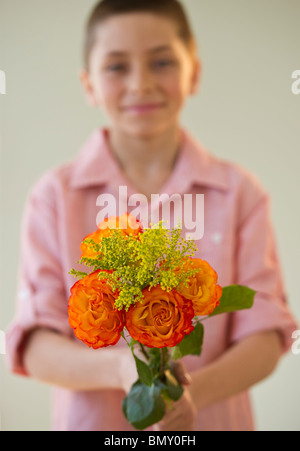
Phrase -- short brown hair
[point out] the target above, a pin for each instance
(167, 8)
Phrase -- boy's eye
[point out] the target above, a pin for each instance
(163, 63)
(159, 64)
(116, 67)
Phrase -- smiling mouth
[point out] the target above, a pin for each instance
(142, 109)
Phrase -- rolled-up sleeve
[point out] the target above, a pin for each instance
(258, 267)
(41, 296)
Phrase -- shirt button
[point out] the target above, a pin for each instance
(217, 238)
(24, 294)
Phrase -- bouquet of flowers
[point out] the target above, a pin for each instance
(146, 286)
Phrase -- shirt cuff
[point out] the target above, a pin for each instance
(38, 310)
(265, 315)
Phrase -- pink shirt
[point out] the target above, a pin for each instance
(238, 242)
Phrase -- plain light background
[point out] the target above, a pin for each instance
(245, 112)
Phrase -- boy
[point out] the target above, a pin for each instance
(140, 67)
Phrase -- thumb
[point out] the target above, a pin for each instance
(181, 373)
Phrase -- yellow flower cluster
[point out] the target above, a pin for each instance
(138, 260)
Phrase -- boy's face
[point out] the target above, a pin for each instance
(139, 60)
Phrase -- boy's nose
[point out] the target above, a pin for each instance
(140, 80)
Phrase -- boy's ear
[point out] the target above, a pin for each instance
(87, 87)
(196, 76)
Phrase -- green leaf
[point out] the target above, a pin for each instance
(131, 344)
(234, 297)
(143, 406)
(144, 371)
(191, 344)
(176, 353)
(154, 359)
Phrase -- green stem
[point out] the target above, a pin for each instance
(163, 355)
(145, 354)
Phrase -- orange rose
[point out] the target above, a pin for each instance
(92, 314)
(126, 223)
(202, 289)
(161, 319)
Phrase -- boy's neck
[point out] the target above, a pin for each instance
(147, 162)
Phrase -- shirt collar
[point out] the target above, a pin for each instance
(95, 165)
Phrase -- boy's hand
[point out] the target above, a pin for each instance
(181, 373)
(180, 417)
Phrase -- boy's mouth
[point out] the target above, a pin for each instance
(144, 108)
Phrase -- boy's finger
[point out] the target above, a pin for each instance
(181, 373)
